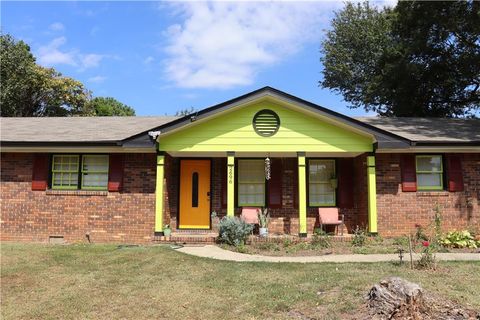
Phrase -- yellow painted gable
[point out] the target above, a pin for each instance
(233, 131)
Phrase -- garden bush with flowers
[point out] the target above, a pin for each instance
(460, 239)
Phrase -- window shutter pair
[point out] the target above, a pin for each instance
(274, 185)
(454, 172)
(41, 166)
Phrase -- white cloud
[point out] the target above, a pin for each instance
(91, 60)
(97, 79)
(52, 54)
(225, 44)
(57, 26)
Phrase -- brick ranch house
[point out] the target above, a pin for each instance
(121, 179)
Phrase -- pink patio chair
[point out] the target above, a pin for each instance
(250, 215)
(329, 216)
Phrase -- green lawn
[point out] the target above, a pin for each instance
(103, 282)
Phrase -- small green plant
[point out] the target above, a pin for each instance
(359, 237)
(263, 218)
(401, 241)
(287, 242)
(242, 249)
(320, 239)
(460, 239)
(268, 246)
(234, 231)
(298, 247)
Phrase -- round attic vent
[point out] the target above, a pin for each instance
(266, 123)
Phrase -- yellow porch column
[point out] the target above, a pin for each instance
(372, 195)
(302, 194)
(230, 183)
(159, 194)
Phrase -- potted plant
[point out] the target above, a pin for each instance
(334, 182)
(167, 231)
(263, 218)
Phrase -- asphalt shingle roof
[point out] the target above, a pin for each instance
(76, 129)
(429, 129)
(103, 129)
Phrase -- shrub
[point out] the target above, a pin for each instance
(459, 239)
(320, 240)
(234, 231)
(427, 259)
(359, 237)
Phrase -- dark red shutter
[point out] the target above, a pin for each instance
(275, 184)
(40, 172)
(345, 183)
(115, 172)
(223, 177)
(454, 172)
(409, 173)
(295, 183)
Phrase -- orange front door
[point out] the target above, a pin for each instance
(194, 194)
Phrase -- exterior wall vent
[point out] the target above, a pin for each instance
(56, 239)
(266, 123)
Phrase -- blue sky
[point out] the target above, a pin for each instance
(162, 57)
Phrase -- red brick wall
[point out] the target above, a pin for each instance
(398, 211)
(28, 215)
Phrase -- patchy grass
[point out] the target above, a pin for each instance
(103, 282)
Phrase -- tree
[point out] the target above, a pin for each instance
(418, 59)
(29, 90)
(185, 112)
(107, 106)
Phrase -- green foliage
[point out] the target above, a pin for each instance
(234, 231)
(268, 246)
(401, 241)
(263, 218)
(420, 233)
(320, 240)
(359, 237)
(420, 59)
(460, 239)
(29, 90)
(107, 106)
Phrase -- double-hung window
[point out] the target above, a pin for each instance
(429, 172)
(95, 172)
(251, 183)
(321, 188)
(65, 172)
(87, 172)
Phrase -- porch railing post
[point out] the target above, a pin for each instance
(372, 195)
(302, 194)
(230, 183)
(159, 194)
